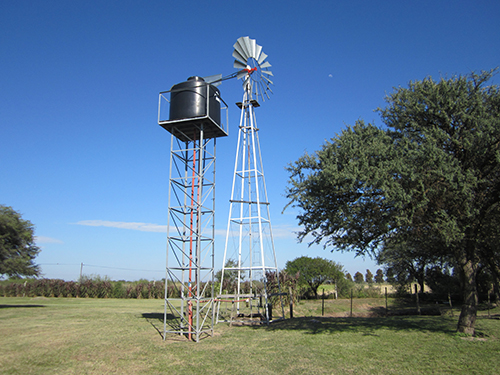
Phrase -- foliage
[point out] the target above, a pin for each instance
(427, 185)
(287, 283)
(389, 276)
(365, 291)
(443, 282)
(379, 276)
(369, 276)
(313, 272)
(88, 287)
(358, 277)
(17, 245)
(228, 282)
(348, 276)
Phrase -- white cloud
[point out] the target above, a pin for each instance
(330, 75)
(43, 240)
(279, 231)
(285, 231)
(143, 227)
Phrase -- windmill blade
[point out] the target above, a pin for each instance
(238, 47)
(258, 50)
(268, 72)
(247, 46)
(239, 65)
(268, 80)
(265, 65)
(238, 56)
(256, 91)
(263, 91)
(253, 48)
(242, 48)
(268, 98)
(262, 57)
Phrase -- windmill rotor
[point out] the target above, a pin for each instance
(252, 66)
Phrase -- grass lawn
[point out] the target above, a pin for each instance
(102, 336)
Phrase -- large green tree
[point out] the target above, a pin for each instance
(17, 245)
(314, 271)
(429, 180)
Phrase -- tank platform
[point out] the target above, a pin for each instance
(190, 129)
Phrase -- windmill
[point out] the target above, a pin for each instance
(249, 254)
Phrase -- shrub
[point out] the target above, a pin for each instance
(118, 290)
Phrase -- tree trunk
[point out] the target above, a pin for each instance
(467, 319)
(495, 271)
(421, 282)
(421, 278)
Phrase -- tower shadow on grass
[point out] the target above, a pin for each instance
(156, 320)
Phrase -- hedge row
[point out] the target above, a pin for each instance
(86, 289)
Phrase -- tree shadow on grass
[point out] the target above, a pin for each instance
(16, 306)
(366, 326)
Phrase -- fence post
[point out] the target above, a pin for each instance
(418, 301)
(386, 308)
(351, 303)
(449, 301)
(291, 301)
(489, 302)
(323, 303)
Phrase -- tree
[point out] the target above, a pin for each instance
(358, 277)
(314, 271)
(389, 276)
(17, 245)
(229, 280)
(369, 276)
(409, 261)
(348, 277)
(379, 276)
(429, 181)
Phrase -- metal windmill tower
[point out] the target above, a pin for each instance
(249, 254)
(195, 123)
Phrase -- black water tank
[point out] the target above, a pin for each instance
(189, 100)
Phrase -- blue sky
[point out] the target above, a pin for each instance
(82, 155)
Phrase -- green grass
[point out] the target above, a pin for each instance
(96, 336)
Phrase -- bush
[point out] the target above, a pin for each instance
(286, 282)
(87, 287)
(118, 290)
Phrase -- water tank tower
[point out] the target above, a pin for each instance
(194, 121)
